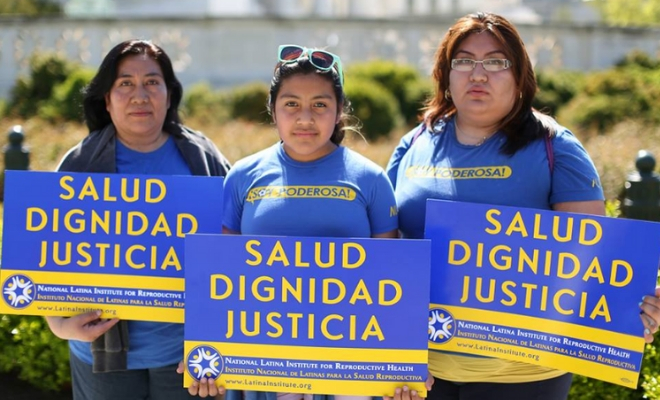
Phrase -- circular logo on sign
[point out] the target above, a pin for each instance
(442, 326)
(204, 362)
(18, 291)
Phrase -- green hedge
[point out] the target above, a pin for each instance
(65, 103)
(33, 352)
(402, 81)
(628, 91)
(374, 106)
(30, 92)
(556, 89)
(204, 104)
(248, 102)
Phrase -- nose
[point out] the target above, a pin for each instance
(305, 117)
(479, 74)
(140, 94)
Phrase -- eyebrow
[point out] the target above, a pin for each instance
(320, 96)
(487, 54)
(128, 75)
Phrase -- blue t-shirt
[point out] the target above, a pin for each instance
(340, 195)
(437, 166)
(151, 344)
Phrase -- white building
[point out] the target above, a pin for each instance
(519, 11)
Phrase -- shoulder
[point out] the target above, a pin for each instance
(565, 141)
(80, 156)
(359, 166)
(190, 142)
(257, 161)
(352, 157)
(198, 139)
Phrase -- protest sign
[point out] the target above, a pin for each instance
(554, 289)
(75, 242)
(307, 315)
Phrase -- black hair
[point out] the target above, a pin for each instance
(304, 67)
(94, 105)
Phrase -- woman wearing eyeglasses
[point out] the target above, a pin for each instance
(310, 111)
(481, 116)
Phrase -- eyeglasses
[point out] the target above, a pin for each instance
(489, 64)
(320, 59)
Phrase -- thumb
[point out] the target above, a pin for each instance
(430, 380)
(179, 368)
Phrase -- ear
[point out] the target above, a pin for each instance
(340, 107)
(107, 102)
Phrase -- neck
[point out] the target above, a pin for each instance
(143, 144)
(471, 134)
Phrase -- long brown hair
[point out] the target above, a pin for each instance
(523, 124)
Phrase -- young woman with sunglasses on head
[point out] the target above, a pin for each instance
(309, 109)
(481, 116)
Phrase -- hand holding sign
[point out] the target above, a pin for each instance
(83, 327)
(650, 315)
(202, 388)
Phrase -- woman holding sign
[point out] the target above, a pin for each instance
(131, 110)
(345, 194)
(481, 141)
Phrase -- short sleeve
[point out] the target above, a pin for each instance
(233, 200)
(574, 177)
(398, 153)
(382, 208)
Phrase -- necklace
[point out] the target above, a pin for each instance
(480, 140)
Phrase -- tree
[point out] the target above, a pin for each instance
(630, 12)
(30, 7)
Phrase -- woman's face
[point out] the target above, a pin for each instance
(305, 114)
(480, 96)
(138, 100)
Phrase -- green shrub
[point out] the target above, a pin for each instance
(598, 113)
(649, 372)
(416, 94)
(613, 96)
(584, 388)
(29, 93)
(204, 104)
(67, 99)
(613, 82)
(394, 77)
(556, 89)
(640, 59)
(248, 102)
(648, 385)
(31, 350)
(374, 106)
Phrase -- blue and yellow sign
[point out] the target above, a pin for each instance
(554, 289)
(307, 315)
(77, 242)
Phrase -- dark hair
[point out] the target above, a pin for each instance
(304, 67)
(523, 124)
(94, 108)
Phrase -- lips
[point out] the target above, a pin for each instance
(140, 113)
(477, 91)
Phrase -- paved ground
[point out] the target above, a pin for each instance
(12, 388)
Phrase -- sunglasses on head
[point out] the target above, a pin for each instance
(320, 59)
